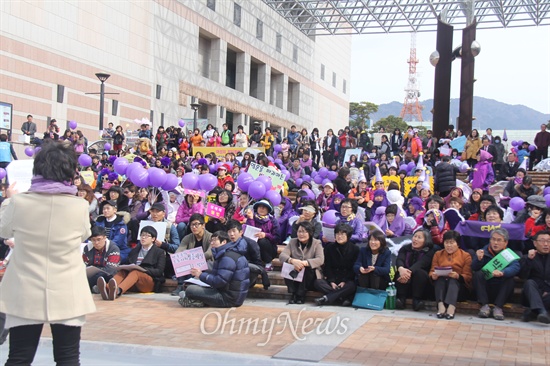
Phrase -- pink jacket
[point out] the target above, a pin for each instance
(185, 212)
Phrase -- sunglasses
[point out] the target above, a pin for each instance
(108, 165)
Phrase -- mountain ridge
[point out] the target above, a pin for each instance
(488, 113)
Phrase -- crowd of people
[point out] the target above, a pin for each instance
(394, 212)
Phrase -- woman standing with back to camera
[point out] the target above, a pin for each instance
(45, 282)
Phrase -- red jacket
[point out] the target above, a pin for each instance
(222, 181)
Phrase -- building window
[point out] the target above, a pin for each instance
(295, 53)
(237, 14)
(259, 29)
(344, 86)
(334, 79)
(211, 4)
(278, 43)
(322, 72)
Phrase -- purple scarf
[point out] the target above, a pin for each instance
(41, 185)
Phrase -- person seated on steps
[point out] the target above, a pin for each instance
(228, 280)
(339, 282)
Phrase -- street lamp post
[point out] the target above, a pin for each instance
(102, 77)
(195, 105)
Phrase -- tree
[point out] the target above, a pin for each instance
(390, 123)
(360, 112)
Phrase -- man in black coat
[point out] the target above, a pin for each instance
(339, 283)
(535, 268)
(510, 168)
(445, 177)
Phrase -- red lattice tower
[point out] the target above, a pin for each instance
(412, 110)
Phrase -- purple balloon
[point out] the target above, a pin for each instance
(37, 150)
(532, 147)
(171, 182)
(330, 217)
(514, 143)
(29, 151)
(256, 190)
(157, 177)
(278, 161)
(411, 166)
(306, 178)
(464, 167)
(274, 197)
(2, 173)
(517, 204)
(190, 181)
(310, 194)
(546, 191)
(314, 174)
(403, 167)
(243, 180)
(73, 125)
(520, 142)
(287, 175)
(318, 179)
(107, 146)
(140, 177)
(547, 198)
(277, 148)
(299, 182)
(323, 172)
(325, 181)
(270, 158)
(181, 123)
(83, 160)
(132, 167)
(266, 181)
(213, 168)
(332, 175)
(121, 165)
(207, 182)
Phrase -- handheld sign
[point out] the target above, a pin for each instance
(499, 262)
(277, 177)
(215, 211)
(184, 261)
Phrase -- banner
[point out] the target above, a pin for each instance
(222, 150)
(184, 261)
(483, 229)
(350, 152)
(499, 262)
(215, 211)
(193, 192)
(277, 177)
(410, 183)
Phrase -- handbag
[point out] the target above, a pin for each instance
(369, 298)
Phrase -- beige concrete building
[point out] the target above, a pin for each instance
(244, 62)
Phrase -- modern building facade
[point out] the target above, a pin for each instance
(243, 62)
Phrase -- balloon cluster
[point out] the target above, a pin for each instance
(259, 188)
(205, 182)
(322, 177)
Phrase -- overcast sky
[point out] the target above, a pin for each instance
(513, 66)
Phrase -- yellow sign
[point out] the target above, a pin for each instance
(222, 150)
(410, 183)
(387, 180)
(87, 176)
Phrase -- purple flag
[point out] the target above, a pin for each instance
(504, 136)
(481, 229)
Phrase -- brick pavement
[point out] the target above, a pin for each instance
(397, 338)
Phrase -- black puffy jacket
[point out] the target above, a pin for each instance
(445, 177)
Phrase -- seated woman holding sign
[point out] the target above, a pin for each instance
(224, 198)
(452, 273)
(143, 271)
(304, 254)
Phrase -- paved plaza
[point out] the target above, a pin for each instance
(152, 329)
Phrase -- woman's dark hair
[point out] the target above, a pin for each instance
(487, 197)
(229, 196)
(221, 235)
(343, 172)
(381, 237)
(428, 242)
(436, 198)
(345, 228)
(393, 185)
(230, 183)
(354, 205)
(391, 209)
(150, 230)
(451, 235)
(56, 161)
(493, 208)
(308, 226)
